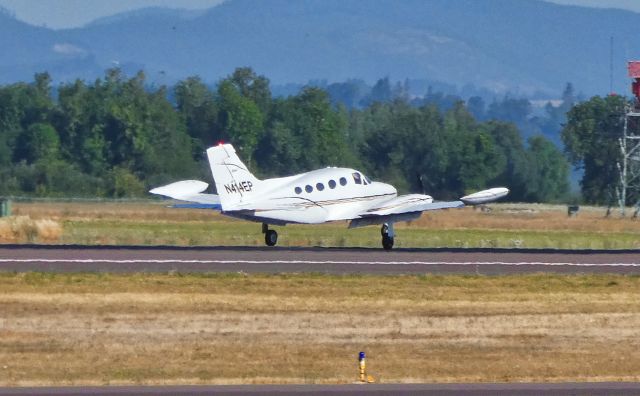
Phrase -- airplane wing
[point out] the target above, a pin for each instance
(411, 203)
(410, 207)
(189, 191)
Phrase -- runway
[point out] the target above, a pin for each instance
(55, 258)
(603, 388)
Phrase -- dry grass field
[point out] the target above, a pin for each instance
(235, 328)
(506, 225)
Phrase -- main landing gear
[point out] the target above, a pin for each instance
(387, 236)
(270, 236)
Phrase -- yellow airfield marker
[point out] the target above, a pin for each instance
(362, 365)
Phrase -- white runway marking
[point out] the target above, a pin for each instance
(425, 263)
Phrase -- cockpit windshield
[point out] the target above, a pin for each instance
(359, 178)
(356, 178)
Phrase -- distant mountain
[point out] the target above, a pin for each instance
(157, 12)
(503, 45)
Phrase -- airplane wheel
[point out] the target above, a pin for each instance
(384, 230)
(387, 242)
(271, 237)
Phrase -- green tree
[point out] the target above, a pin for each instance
(196, 105)
(125, 184)
(549, 170)
(22, 105)
(280, 150)
(516, 172)
(240, 119)
(305, 132)
(406, 146)
(252, 86)
(80, 118)
(322, 131)
(39, 142)
(11, 114)
(591, 142)
(474, 159)
(170, 152)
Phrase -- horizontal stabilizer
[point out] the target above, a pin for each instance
(181, 188)
(485, 196)
(190, 191)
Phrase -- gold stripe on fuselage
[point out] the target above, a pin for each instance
(310, 203)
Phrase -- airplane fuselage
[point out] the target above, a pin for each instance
(318, 196)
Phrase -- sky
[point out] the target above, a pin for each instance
(61, 14)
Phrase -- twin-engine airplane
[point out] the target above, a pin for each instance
(314, 197)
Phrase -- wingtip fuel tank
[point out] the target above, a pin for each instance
(485, 196)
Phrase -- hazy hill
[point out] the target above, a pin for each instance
(524, 45)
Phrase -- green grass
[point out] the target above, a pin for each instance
(238, 233)
(151, 223)
(314, 284)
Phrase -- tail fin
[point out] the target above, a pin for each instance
(234, 183)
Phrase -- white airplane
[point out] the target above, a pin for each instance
(319, 196)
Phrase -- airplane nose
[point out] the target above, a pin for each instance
(385, 188)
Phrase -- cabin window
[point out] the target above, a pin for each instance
(320, 186)
(308, 188)
(298, 190)
(356, 178)
(343, 181)
(332, 184)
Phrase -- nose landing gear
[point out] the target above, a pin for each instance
(387, 236)
(270, 236)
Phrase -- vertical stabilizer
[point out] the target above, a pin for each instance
(234, 183)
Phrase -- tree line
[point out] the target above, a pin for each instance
(118, 136)
(483, 104)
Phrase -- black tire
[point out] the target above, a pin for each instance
(271, 237)
(387, 242)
